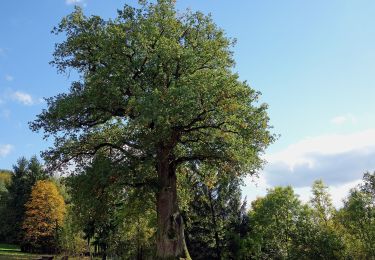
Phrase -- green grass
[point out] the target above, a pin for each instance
(7, 247)
(13, 252)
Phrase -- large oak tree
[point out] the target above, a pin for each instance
(157, 90)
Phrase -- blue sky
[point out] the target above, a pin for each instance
(313, 61)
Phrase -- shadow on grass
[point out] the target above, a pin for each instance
(13, 252)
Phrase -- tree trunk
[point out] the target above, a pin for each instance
(89, 247)
(213, 217)
(170, 241)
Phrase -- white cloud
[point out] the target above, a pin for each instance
(338, 120)
(5, 149)
(339, 193)
(305, 151)
(73, 2)
(9, 78)
(254, 187)
(342, 119)
(258, 188)
(23, 98)
(338, 159)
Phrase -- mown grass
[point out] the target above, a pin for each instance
(13, 252)
(7, 247)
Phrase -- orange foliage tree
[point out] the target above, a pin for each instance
(44, 215)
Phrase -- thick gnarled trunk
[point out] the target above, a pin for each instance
(170, 235)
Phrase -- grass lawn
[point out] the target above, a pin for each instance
(13, 252)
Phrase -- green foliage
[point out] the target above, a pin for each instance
(119, 221)
(357, 219)
(5, 179)
(157, 90)
(70, 236)
(315, 239)
(94, 201)
(151, 76)
(25, 174)
(135, 237)
(281, 227)
(273, 224)
(321, 202)
(214, 212)
(157, 101)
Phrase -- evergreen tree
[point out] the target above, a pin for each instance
(214, 213)
(25, 174)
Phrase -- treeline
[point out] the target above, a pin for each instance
(95, 212)
(31, 207)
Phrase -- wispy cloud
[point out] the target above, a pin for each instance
(5, 149)
(73, 2)
(5, 113)
(342, 119)
(23, 98)
(9, 78)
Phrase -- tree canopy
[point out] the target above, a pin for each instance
(44, 216)
(157, 90)
(25, 174)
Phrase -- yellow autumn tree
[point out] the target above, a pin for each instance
(44, 215)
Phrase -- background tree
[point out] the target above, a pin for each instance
(273, 224)
(357, 219)
(318, 237)
(71, 240)
(368, 186)
(94, 202)
(321, 202)
(214, 212)
(315, 239)
(43, 217)
(157, 91)
(5, 179)
(281, 227)
(25, 174)
(136, 231)
(114, 217)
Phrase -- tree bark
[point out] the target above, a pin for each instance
(213, 217)
(170, 241)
